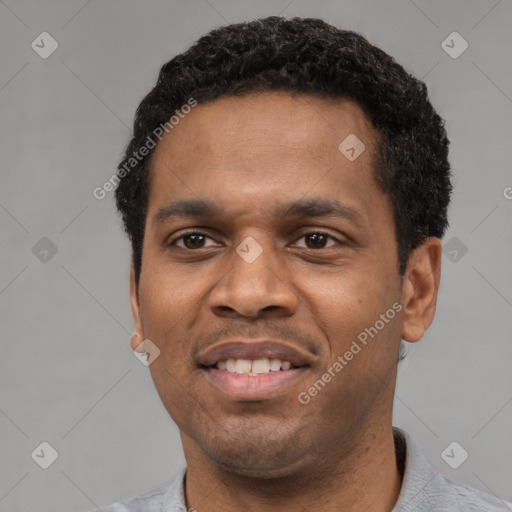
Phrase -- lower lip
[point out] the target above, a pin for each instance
(243, 387)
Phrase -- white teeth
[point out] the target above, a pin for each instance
(275, 365)
(253, 367)
(260, 366)
(243, 366)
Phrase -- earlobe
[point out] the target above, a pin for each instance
(138, 333)
(420, 288)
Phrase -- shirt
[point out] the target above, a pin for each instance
(423, 489)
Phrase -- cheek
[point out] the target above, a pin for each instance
(350, 311)
(177, 394)
(343, 304)
(168, 298)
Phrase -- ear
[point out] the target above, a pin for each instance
(419, 289)
(138, 333)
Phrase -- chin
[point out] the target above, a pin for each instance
(256, 456)
(259, 468)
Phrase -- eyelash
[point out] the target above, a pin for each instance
(187, 233)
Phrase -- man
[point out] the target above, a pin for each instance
(285, 192)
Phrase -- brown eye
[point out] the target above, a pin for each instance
(316, 239)
(191, 241)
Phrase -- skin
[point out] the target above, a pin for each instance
(249, 154)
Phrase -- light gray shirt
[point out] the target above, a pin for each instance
(423, 489)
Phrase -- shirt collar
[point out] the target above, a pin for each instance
(419, 477)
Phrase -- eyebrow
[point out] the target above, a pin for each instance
(301, 208)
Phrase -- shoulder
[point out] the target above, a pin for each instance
(470, 499)
(169, 498)
(424, 489)
(146, 502)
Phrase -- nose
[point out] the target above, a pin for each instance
(251, 286)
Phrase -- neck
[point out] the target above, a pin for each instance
(364, 477)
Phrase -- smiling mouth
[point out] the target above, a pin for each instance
(247, 386)
(249, 380)
(254, 367)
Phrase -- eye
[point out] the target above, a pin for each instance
(191, 240)
(317, 239)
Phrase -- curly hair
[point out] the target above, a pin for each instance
(306, 56)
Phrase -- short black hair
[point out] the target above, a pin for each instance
(304, 56)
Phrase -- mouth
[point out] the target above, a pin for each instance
(252, 371)
(255, 367)
(254, 380)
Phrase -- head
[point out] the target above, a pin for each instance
(314, 152)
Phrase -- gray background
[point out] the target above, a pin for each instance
(68, 375)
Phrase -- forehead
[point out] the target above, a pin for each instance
(302, 123)
(246, 150)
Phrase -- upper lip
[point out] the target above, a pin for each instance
(250, 349)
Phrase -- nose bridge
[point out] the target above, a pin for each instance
(254, 279)
(254, 261)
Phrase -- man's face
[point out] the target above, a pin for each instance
(255, 272)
